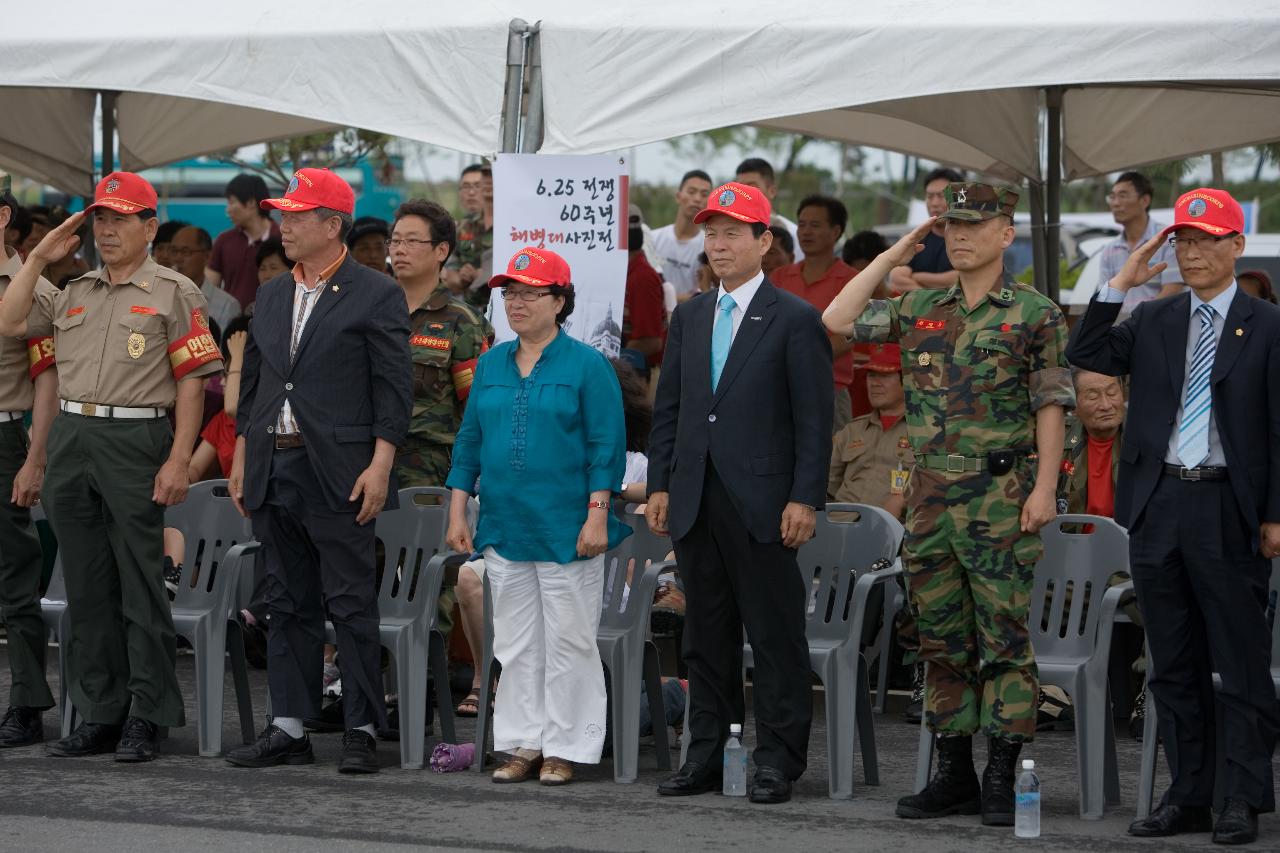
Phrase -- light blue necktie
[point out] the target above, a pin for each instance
(721, 338)
(1193, 432)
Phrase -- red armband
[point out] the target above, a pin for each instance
(463, 372)
(40, 354)
(195, 349)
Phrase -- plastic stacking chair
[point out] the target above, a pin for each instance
(834, 628)
(218, 547)
(1151, 735)
(1071, 616)
(408, 597)
(54, 611)
(894, 600)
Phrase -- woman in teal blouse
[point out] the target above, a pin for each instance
(544, 431)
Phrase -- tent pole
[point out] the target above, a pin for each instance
(108, 131)
(1038, 244)
(1053, 195)
(532, 137)
(516, 47)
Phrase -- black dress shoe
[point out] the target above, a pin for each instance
(359, 752)
(769, 786)
(138, 742)
(1172, 820)
(21, 727)
(273, 747)
(693, 778)
(87, 739)
(330, 719)
(1237, 824)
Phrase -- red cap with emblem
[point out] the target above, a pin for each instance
(886, 358)
(312, 188)
(740, 201)
(535, 267)
(1212, 211)
(124, 192)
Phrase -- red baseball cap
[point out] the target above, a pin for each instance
(124, 192)
(886, 358)
(1212, 211)
(536, 267)
(740, 201)
(312, 188)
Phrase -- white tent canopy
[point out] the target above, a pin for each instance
(195, 80)
(954, 82)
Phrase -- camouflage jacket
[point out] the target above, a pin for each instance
(974, 378)
(473, 241)
(1073, 481)
(446, 336)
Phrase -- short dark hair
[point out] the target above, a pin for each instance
(245, 188)
(837, 213)
(783, 238)
(443, 228)
(267, 248)
(21, 220)
(695, 173)
(703, 260)
(863, 246)
(167, 231)
(345, 218)
(203, 239)
(951, 175)
(475, 167)
(1140, 182)
(565, 290)
(145, 214)
(758, 229)
(759, 165)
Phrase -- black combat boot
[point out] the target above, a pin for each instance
(953, 788)
(997, 781)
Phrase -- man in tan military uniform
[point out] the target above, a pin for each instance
(26, 383)
(132, 341)
(871, 458)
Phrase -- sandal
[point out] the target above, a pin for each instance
(517, 769)
(556, 771)
(470, 706)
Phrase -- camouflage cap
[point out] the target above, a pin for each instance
(974, 202)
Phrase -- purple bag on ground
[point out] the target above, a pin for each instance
(452, 757)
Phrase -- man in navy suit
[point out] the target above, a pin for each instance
(1199, 491)
(737, 468)
(324, 402)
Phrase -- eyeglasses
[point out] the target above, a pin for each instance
(470, 187)
(409, 242)
(1121, 196)
(1200, 243)
(524, 295)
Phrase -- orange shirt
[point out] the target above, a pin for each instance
(820, 294)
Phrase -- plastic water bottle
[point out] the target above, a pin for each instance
(1026, 811)
(735, 764)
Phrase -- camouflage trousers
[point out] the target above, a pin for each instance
(969, 573)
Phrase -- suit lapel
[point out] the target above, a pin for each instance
(333, 292)
(1231, 343)
(1174, 327)
(755, 321)
(272, 316)
(701, 311)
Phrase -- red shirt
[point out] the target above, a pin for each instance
(221, 433)
(1102, 489)
(235, 256)
(643, 314)
(819, 294)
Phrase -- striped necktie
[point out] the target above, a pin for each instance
(1193, 432)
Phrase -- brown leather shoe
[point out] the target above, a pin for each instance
(518, 769)
(556, 771)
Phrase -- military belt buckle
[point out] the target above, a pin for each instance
(955, 463)
(88, 409)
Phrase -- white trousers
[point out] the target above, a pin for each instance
(551, 694)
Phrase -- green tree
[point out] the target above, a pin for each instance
(335, 150)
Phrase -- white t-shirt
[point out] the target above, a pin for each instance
(779, 219)
(637, 468)
(679, 259)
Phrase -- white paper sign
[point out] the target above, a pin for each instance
(575, 206)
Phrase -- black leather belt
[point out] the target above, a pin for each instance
(1205, 472)
(290, 441)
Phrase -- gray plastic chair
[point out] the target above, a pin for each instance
(218, 547)
(625, 649)
(1151, 736)
(1073, 645)
(57, 620)
(408, 597)
(834, 628)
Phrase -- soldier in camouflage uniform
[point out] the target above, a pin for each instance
(987, 385)
(465, 271)
(446, 336)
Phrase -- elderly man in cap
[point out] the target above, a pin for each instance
(324, 402)
(987, 386)
(1199, 491)
(744, 406)
(132, 341)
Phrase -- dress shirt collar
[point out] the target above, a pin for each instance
(1220, 303)
(743, 294)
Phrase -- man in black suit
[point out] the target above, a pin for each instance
(1199, 491)
(324, 402)
(737, 468)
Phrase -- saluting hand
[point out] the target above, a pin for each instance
(798, 524)
(60, 241)
(1136, 270)
(911, 244)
